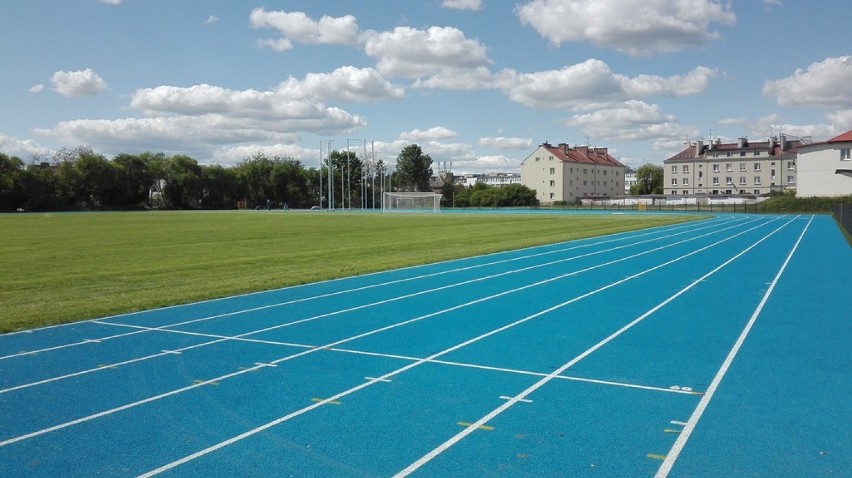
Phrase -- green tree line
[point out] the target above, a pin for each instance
(82, 179)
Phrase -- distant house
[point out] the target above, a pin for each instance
(743, 167)
(564, 174)
(825, 168)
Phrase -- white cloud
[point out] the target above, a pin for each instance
(36, 88)
(824, 83)
(434, 133)
(633, 120)
(411, 53)
(298, 27)
(211, 20)
(592, 85)
(23, 148)
(77, 83)
(487, 164)
(110, 2)
(679, 85)
(635, 27)
(472, 5)
(236, 154)
(841, 120)
(501, 142)
(346, 83)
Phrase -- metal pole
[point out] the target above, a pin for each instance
(320, 176)
(330, 178)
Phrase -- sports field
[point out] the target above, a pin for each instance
(711, 348)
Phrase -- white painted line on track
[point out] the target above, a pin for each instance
(524, 394)
(524, 400)
(689, 427)
(481, 422)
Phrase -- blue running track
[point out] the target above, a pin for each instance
(713, 348)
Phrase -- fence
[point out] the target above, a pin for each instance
(843, 214)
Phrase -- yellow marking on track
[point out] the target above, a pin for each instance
(332, 402)
(669, 430)
(481, 427)
(654, 456)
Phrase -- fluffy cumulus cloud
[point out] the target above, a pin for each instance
(23, 148)
(502, 142)
(472, 5)
(236, 154)
(77, 83)
(298, 27)
(593, 85)
(349, 84)
(434, 133)
(633, 120)
(824, 83)
(411, 53)
(635, 27)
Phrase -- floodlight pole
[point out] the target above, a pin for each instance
(330, 177)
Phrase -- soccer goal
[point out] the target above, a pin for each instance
(407, 201)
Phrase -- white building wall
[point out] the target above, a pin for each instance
(817, 165)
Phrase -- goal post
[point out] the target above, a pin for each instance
(412, 202)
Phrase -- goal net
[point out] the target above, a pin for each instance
(407, 201)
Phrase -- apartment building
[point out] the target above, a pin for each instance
(564, 174)
(743, 167)
(825, 168)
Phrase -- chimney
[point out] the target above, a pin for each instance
(783, 141)
(564, 147)
(742, 142)
(699, 148)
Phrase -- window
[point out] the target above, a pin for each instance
(791, 165)
(846, 154)
(791, 179)
(772, 174)
(742, 167)
(685, 168)
(757, 191)
(715, 168)
(552, 183)
(742, 153)
(728, 154)
(674, 168)
(757, 180)
(551, 196)
(674, 181)
(715, 180)
(686, 181)
(757, 166)
(756, 152)
(729, 180)
(729, 167)
(742, 180)
(552, 170)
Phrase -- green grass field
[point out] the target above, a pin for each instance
(67, 267)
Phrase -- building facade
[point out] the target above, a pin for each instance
(733, 168)
(564, 174)
(825, 169)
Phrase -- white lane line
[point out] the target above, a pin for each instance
(104, 320)
(690, 425)
(504, 397)
(524, 394)
(522, 372)
(378, 379)
(676, 422)
(220, 338)
(266, 426)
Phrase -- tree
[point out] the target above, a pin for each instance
(414, 169)
(182, 188)
(11, 169)
(649, 180)
(133, 179)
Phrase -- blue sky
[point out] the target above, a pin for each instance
(475, 83)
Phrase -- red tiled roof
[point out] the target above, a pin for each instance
(847, 136)
(582, 154)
